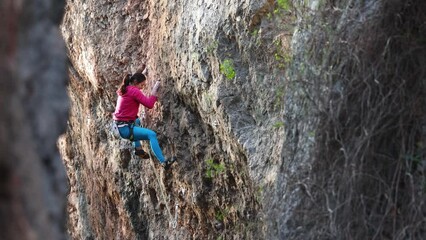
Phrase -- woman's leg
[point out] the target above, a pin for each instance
(125, 133)
(136, 143)
(140, 133)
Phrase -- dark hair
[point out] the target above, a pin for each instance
(129, 78)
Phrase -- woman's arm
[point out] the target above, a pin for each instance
(148, 102)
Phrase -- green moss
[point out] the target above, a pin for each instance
(212, 47)
(283, 4)
(214, 169)
(278, 124)
(227, 68)
(221, 215)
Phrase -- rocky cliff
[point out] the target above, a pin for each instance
(290, 119)
(34, 110)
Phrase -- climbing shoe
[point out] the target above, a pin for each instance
(141, 153)
(168, 162)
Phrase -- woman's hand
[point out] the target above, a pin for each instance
(154, 90)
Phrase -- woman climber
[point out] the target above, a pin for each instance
(126, 118)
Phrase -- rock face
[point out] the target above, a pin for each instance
(34, 106)
(271, 108)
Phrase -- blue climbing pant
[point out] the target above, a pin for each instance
(140, 133)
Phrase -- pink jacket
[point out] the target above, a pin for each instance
(128, 104)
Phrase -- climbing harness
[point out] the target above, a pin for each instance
(129, 124)
(114, 130)
(174, 219)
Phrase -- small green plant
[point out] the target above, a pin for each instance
(221, 215)
(279, 94)
(414, 158)
(281, 57)
(255, 33)
(283, 4)
(278, 124)
(212, 46)
(227, 68)
(214, 169)
(208, 97)
(259, 193)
